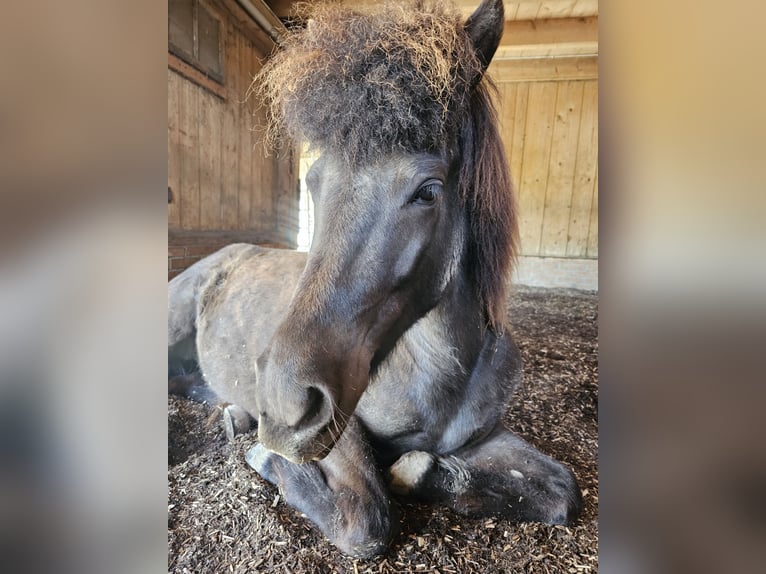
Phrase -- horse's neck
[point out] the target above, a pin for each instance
(451, 335)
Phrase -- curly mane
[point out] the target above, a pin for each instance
(403, 78)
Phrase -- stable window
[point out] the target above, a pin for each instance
(195, 35)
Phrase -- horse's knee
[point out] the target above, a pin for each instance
(408, 474)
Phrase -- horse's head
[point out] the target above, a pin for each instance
(394, 227)
(388, 240)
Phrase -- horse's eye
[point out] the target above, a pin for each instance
(427, 193)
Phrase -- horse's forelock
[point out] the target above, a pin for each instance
(362, 84)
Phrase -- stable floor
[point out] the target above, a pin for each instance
(222, 517)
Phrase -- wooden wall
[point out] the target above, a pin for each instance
(221, 177)
(549, 120)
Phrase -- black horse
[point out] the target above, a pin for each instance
(380, 363)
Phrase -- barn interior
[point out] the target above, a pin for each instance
(225, 186)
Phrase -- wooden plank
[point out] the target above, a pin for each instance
(554, 30)
(189, 154)
(210, 162)
(256, 150)
(248, 139)
(230, 138)
(527, 10)
(583, 8)
(174, 152)
(554, 38)
(593, 227)
(556, 9)
(511, 9)
(558, 195)
(264, 214)
(506, 111)
(264, 167)
(519, 133)
(585, 173)
(201, 241)
(243, 134)
(540, 51)
(248, 27)
(544, 69)
(193, 74)
(536, 158)
(523, 10)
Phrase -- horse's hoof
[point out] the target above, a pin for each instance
(256, 456)
(236, 421)
(408, 472)
(261, 460)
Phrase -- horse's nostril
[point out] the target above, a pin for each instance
(315, 401)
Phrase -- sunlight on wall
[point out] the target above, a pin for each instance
(305, 204)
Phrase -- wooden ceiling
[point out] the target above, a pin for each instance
(533, 28)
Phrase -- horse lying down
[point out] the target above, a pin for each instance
(379, 364)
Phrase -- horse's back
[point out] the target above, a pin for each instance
(184, 289)
(241, 301)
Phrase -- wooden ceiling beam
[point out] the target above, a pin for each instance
(525, 8)
(553, 31)
(554, 38)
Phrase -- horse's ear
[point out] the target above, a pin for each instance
(485, 28)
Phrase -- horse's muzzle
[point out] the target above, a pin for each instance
(297, 445)
(297, 422)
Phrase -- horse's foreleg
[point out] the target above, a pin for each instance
(192, 386)
(236, 420)
(343, 494)
(502, 475)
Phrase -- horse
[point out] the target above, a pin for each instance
(380, 364)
